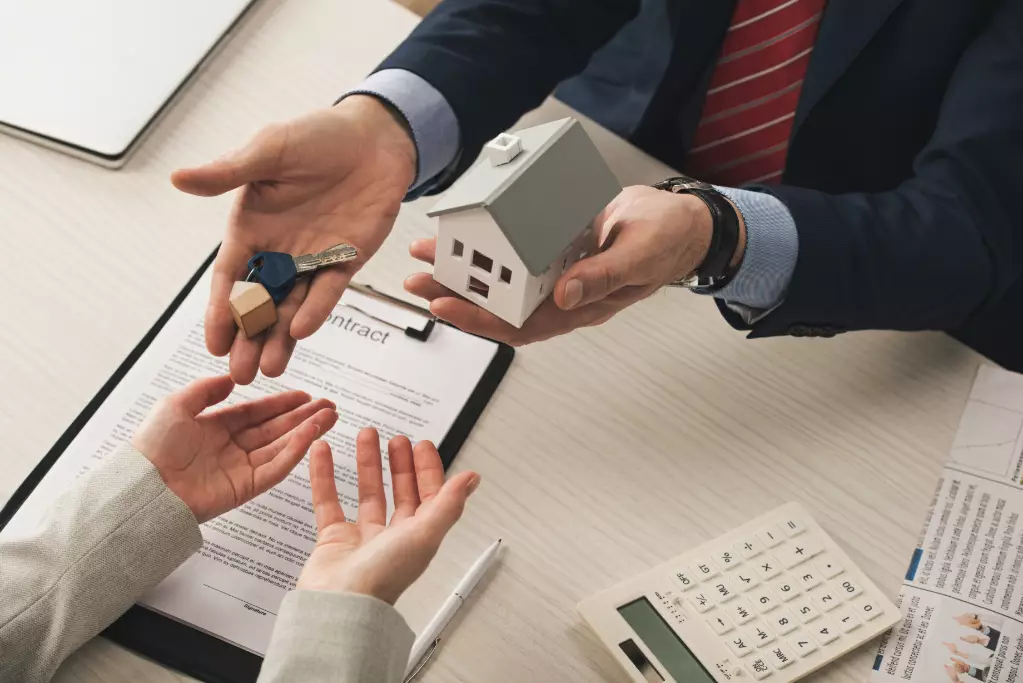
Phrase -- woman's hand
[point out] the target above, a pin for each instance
(370, 556)
(647, 238)
(335, 175)
(217, 461)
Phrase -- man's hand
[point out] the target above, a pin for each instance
(336, 175)
(371, 557)
(217, 461)
(960, 666)
(954, 649)
(969, 621)
(647, 239)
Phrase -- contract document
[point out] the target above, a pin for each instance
(376, 374)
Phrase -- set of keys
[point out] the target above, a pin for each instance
(272, 276)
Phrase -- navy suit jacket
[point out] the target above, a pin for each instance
(905, 166)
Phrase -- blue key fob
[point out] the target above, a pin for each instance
(276, 272)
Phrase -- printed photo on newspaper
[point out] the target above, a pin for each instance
(962, 602)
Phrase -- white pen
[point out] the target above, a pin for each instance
(429, 635)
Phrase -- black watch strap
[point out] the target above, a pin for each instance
(714, 272)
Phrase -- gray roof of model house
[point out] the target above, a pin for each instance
(544, 197)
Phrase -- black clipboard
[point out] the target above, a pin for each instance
(170, 642)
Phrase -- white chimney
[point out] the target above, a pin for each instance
(503, 149)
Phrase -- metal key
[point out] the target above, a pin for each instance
(339, 253)
(278, 272)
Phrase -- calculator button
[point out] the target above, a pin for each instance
(781, 656)
(729, 668)
(770, 536)
(802, 644)
(739, 645)
(845, 618)
(846, 587)
(742, 611)
(804, 610)
(745, 579)
(727, 559)
(828, 567)
(783, 622)
(867, 609)
(759, 668)
(720, 624)
(793, 527)
(826, 600)
(785, 588)
(824, 631)
(705, 569)
(760, 635)
(723, 589)
(764, 600)
(794, 553)
(684, 579)
(701, 601)
(748, 547)
(813, 548)
(808, 578)
(766, 567)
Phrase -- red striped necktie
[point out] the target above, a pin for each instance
(747, 117)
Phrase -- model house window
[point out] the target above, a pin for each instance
(479, 287)
(506, 275)
(457, 248)
(482, 262)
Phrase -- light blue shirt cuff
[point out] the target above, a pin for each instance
(772, 246)
(428, 114)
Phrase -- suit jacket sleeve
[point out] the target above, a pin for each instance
(336, 638)
(117, 532)
(947, 243)
(494, 60)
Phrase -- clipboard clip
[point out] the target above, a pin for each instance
(410, 331)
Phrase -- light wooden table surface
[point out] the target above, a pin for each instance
(603, 452)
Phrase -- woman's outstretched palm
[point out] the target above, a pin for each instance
(370, 556)
(219, 460)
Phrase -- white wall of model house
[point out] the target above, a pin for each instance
(475, 260)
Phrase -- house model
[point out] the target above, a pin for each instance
(520, 216)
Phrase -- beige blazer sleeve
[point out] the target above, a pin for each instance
(117, 532)
(324, 637)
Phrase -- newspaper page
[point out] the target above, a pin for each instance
(962, 602)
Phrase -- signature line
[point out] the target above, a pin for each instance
(239, 599)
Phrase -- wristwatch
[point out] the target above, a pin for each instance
(715, 271)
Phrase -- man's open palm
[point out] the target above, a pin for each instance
(336, 175)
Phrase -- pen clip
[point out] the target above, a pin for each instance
(423, 661)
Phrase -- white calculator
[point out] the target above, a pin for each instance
(774, 599)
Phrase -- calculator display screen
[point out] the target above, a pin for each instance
(655, 633)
